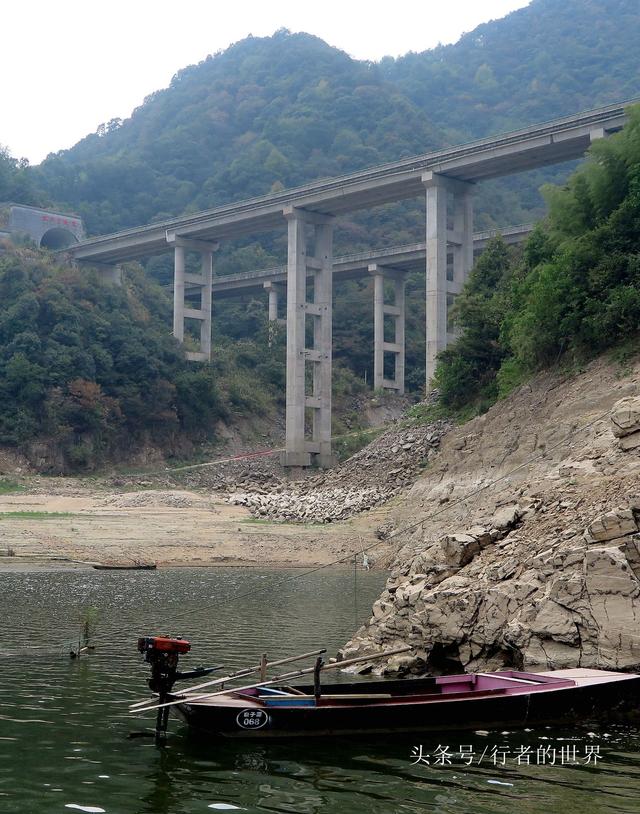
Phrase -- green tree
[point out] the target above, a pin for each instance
(466, 371)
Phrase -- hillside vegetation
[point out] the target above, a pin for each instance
(17, 181)
(547, 60)
(90, 370)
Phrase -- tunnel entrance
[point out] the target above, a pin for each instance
(57, 239)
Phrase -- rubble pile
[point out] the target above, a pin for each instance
(372, 476)
(154, 499)
(253, 471)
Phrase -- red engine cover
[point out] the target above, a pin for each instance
(163, 644)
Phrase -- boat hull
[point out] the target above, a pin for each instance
(416, 711)
(146, 567)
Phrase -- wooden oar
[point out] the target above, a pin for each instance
(285, 676)
(246, 671)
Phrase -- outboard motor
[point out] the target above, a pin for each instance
(163, 653)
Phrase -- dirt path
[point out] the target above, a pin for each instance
(170, 527)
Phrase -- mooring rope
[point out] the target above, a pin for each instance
(264, 453)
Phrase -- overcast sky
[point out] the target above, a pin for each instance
(68, 66)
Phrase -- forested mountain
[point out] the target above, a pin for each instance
(552, 58)
(264, 114)
(274, 112)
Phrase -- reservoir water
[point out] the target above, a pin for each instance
(64, 726)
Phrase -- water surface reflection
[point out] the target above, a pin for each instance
(64, 725)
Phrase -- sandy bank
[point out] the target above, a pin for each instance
(170, 527)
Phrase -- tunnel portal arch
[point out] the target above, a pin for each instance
(57, 238)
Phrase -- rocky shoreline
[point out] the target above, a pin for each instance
(546, 570)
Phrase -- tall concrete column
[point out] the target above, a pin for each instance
(399, 286)
(436, 288)
(178, 292)
(295, 453)
(463, 227)
(198, 284)
(439, 190)
(461, 241)
(206, 303)
(378, 327)
(322, 316)
(300, 450)
(380, 311)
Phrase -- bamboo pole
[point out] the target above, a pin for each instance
(283, 677)
(240, 674)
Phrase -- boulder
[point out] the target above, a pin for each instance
(459, 549)
(629, 441)
(611, 526)
(506, 518)
(625, 416)
(482, 535)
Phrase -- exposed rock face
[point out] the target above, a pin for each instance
(539, 567)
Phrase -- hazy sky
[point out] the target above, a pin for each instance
(68, 66)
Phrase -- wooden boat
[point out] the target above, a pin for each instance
(457, 702)
(149, 566)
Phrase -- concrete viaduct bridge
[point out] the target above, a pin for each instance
(392, 263)
(446, 178)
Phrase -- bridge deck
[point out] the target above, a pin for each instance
(408, 257)
(535, 146)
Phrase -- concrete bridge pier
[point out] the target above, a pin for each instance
(318, 263)
(109, 273)
(184, 281)
(449, 224)
(274, 291)
(397, 311)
